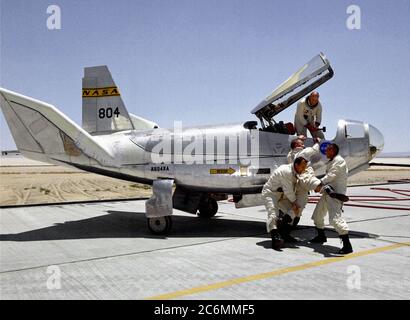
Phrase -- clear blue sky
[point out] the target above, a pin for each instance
(212, 61)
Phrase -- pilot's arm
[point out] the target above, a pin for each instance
(309, 152)
(308, 180)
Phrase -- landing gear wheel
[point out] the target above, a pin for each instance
(208, 208)
(160, 225)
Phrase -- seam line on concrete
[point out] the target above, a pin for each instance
(352, 234)
(270, 274)
(129, 254)
(380, 218)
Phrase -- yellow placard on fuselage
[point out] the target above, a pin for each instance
(100, 92)
(222, 171)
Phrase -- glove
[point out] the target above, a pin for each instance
(331, 192)
(328, 189)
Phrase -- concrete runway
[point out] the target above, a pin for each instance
(105, 251)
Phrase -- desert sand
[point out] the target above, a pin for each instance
(49, 184)
(34, 182)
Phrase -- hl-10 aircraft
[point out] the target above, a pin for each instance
(205, 164)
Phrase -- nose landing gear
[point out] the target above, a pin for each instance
(160, 225)
(158, 208)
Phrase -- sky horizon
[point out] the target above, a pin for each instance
(211, 62)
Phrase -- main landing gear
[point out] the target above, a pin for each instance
(208, 208)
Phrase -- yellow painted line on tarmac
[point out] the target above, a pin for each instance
(274, 273)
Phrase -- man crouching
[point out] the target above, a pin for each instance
(279, 194)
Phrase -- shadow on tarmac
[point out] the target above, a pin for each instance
(124, 224)
(305, 233)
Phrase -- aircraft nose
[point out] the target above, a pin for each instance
(376, 141)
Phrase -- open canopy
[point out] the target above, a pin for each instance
(313, 74)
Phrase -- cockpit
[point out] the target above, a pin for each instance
(358, 139)
(313, 74)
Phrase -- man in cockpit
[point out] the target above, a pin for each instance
(309, 116)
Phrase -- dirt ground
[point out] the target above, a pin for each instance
(48, 184)
(379, 175)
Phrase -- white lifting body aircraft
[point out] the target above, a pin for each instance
(205, 164)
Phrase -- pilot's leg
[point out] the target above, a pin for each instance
(335, 216)
(302, 197)
(340, 225)
(287, 216)
(300, 129)
(285, 227)
(272, 207)
(318, 218)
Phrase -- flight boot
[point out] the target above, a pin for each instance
(347, 246)
(277, 240)
(285, 233)
(295, 222)
(320, 238)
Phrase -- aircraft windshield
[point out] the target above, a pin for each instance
(306, 79)
(376, 140)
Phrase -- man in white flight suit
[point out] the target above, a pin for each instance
(297, 147)
(309, 116)
(333, 183)
(306, 181)
(279, 194)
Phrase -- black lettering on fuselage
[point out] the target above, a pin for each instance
(160, 168)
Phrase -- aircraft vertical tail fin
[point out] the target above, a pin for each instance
(103, 108)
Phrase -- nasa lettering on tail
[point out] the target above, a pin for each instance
(104, 110)
(100, 92)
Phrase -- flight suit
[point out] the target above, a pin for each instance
(336, 177)
(306, 181)
(279, 194)
(292, 154)
(305, 115)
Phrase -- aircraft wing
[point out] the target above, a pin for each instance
(313, 74)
